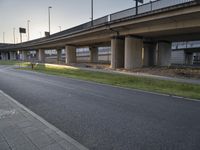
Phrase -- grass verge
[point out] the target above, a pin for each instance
(142, 83)
(17, 63)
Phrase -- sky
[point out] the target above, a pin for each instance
(64, 13)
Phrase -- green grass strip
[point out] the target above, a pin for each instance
(142, 83)
(10, 62)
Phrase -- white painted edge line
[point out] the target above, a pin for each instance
(126, 88)
(52, 127)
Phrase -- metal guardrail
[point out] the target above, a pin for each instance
(79, 28)
(142, 9)
(148, 7)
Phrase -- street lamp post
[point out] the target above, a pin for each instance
(92, 12)
(49, 13)
(14, 35)
(28, 22)
(136, 5)
(60, 28)
(3, 37)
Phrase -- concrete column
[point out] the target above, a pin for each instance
(189, 58)
(133, 52)
(163, 54)
(24, 55)
(70, 52)
(93, 54)
(12, 56)
(41, 55)
(4, 55)
(37, 54)
(149, 55)
(117, 53)
(59, 55)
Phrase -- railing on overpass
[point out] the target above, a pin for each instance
(87, 25)
(145, 8)
(148, 7)
(142, 9)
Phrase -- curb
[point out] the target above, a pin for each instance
(52, 127)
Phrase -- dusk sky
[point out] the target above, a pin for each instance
(64, 13)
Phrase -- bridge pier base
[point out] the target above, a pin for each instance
(24, 55)
(41, 55)
(93, 54)
(133, 52)
(70, 52)
(163, 54)
(12, 55)
(189, 58)
(4, 56)
(117, 52)
(149, 56)
(59, 55)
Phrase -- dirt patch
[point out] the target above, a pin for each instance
(182, 72)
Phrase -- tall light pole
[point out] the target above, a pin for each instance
(136, 5)
(40, 34)
(60, 28)
(3, 37)
(14, 35)
(92, 12)
(49, 13)
(28, 22)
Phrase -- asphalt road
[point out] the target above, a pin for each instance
(107, 118)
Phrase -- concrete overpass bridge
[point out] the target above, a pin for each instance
(135, 40)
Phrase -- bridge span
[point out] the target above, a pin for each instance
(135, 40)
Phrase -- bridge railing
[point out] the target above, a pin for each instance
(84, 26)
(155, 5)
(148, 7)
(145, 8)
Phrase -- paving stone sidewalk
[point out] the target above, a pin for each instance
(21, 129)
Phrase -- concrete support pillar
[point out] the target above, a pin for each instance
(5, 56)
(37, 54)
(117, 53)
(149, 55)
(163, 52)
(189, 58)
(24, 55)
(133, 52)
(70, 52)
(93, 54)
(12, 56)
(41, 55)
(59, 55)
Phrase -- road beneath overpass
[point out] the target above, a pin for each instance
(102, 117)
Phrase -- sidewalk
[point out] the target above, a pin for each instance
(21, 129)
